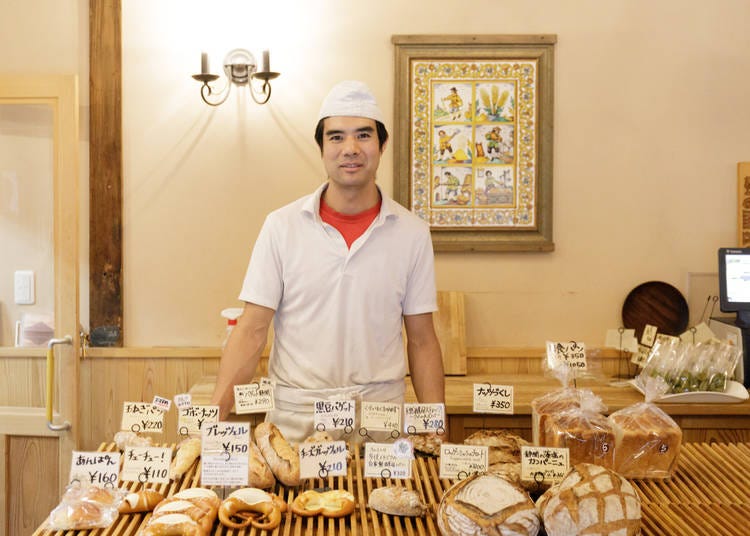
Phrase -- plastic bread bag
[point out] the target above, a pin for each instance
(657, 372)
(587, 435)
(86, 507)
(559, 401)
(647, 441)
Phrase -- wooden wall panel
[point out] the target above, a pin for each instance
(31, 480)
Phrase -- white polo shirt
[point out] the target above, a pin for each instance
(339, 310)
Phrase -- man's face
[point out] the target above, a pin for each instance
(351, 152)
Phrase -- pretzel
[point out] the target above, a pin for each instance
(250, 506)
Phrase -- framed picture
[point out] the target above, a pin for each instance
(473, 138)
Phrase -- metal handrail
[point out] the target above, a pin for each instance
(51, 382)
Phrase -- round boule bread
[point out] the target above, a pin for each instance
(591, 499)
(486, 504)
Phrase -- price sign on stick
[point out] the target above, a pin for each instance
(146, 464)
(334, 415)
(323, 459)
(424, 418)
(142, 417)
(191, 420)
(381, 416)
(490, 398)
(544, 464)
(183, 400)
(95, 468)
(572, 354)
(388, 460)
(461, 461)
(253, 397)
(224, 454)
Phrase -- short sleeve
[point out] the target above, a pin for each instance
(263, 284)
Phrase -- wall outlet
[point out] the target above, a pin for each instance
(23, 287)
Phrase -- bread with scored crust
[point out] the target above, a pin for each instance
(282, 458)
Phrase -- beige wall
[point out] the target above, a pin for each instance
(651, 115)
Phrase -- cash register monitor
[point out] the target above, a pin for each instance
(734, 283)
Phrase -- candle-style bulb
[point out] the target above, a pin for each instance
(265, 65)
(204, 63)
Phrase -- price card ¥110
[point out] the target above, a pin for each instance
(323, 459)
(95, 468)
(146, 464)
(424, 418)
(491, 398)
(142, 417)
(334, 415)
(192, 420)
(544, 464)
(224, 454)
(388, 460)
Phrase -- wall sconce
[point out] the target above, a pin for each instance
(240, 69)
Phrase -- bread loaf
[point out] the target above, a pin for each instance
(558, 402)
(281, 457)
(259, 474)
(504, 446)
(396, 501)
(486, 504)
(647, 442)
(591, 500)
(588, 436)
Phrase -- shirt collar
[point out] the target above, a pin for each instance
(311, 205)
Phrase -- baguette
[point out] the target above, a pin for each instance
(259, 474)
(281, 457)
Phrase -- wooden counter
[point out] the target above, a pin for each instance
(699, 422)
(709, 494)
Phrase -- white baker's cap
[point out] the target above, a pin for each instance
(350, 98)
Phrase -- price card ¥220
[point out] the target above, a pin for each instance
(142, 417)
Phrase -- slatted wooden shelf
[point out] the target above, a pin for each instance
(709, 495)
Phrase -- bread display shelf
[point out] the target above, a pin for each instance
(708, 495)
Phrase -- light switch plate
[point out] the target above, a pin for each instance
(23, 287)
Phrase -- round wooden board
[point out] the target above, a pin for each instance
(656, 303)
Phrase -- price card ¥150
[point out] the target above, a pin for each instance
(190, 421)
(142, 417)
(253, 397)
(95, 468)
(334, 415)
(491, 398)
(224, 454)
(424, 418)
(388, 460)
(544, 464)
(146, 464)
(461, 461)
(572, 354)
(323, 459)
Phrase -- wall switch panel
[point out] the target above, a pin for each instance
(23, 287)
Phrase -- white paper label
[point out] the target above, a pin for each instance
(381, 416)
(461, 461)
(142, 417)
(424, 418)
(544, 464)
(649, 335)
(491, 398)
(100, 469)
(334, 415)
(622, 339)
(323, 459)
(183, 400)
(193, 419)
(572, 354)
(253, 398)
(382, 460)
(162, 403)
(699, 333)
(146, 464)
(641, 356)
(224, 454)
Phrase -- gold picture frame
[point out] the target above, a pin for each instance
(473, 137)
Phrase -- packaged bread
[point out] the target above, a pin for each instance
(86, 507)
(504, 446)
(486, 504)
(397, 501)
(588, 436)
(647, 441)
(282, 458)
(559, 401)
(590, 499)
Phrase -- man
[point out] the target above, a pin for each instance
(337, 271)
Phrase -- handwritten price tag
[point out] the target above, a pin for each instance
(334, 415)
(224, 454)
(424, 418)
(544, 464)
(388, 460)
(191, 420)
(95, 468)
(490, 398)
(142, 417)
(253, 397)
(146, 464)
(461, 461)
(381, 416)
(183, 400)
(321, 460)
(572, 354)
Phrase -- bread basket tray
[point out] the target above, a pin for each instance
(734, 393)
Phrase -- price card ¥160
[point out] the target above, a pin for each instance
(388, 460)
(142, 417)
(461, 461)
(224, 454)
(334, 415)
(381, 416)
(323, 459)
(253, 397)
(491, 398)
(544, 464)
(95, 468)
(424, 418)
(191, 420)
(146, 464)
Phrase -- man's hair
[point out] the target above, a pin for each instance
(379, 128)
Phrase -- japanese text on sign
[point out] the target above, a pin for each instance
(162, 403)
(146, 464)
(460, 461)
(142, 417)
(334, 415)
(253, 398)
(191, 420)
(381, 416)
(183, 400)
(544, 464)
(572, 354)
(383, 461)
(323, 459)
(424, 418)
(224, 454)
(95, 468)
(490, 398)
